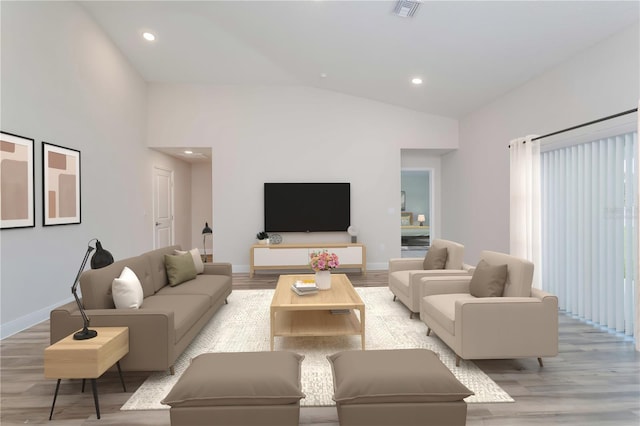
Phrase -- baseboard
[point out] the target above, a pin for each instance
(17, 325)
(382, 266)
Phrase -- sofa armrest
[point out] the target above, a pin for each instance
(507, 327)
(151, 333)
(218, 268)
(445, 285)
(405, 264)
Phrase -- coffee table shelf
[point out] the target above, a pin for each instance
(316, 323)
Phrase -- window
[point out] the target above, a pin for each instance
(589, 229)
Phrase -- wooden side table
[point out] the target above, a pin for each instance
(86, 359)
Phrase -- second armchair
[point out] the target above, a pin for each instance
(405, 273)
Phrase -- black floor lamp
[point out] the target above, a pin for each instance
(206, 231)
(100, 259)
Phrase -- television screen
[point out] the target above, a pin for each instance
(307, 207)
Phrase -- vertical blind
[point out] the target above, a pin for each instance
(589, 231)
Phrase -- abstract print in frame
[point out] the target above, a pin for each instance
(61, 185)
(17, 205)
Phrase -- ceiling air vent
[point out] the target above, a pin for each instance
(406, 8)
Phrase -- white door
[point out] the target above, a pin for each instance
(162, 207)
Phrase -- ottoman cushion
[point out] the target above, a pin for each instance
(393, 376)
(242, 378)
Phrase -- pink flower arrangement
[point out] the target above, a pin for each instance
(323, 260)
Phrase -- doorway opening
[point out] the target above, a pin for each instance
(416, 211)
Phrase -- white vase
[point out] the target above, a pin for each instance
(323, 280)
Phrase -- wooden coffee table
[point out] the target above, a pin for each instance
(310, 315)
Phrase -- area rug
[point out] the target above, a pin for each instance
(243, 326)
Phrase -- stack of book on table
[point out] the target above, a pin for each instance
(302, 288)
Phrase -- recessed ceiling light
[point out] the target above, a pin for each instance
(323, 75)
(148, 36)
(188, 152)
(416, 80)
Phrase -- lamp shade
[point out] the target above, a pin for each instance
(353, 231)
(421, 218)
(101, 258)
(206, 229)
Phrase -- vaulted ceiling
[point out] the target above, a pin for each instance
(467, 53)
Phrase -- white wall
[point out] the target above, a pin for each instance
(64, 82)
(271, 134)
(600, 81)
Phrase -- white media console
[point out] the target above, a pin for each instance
(296, 256)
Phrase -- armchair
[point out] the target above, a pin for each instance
(405, 274)
(522, 323)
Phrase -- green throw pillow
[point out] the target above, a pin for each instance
(436, 258)
(180, 268)
(488, 280)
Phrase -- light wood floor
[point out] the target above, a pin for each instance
(595, 380)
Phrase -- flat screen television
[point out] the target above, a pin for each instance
(307, 207)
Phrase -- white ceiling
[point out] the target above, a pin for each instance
(467, 52)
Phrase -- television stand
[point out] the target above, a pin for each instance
(296, 256)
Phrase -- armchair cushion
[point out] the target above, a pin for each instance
(442, 307)
(488, 280)
(435, 258)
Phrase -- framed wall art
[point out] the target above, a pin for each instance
(60, 185)
(17, 196)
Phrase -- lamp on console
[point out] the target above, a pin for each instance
(353, 231)
(206, 231)
(100, 259)
(421, 219)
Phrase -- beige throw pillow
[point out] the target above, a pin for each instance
(180, 268)
(197, 259)
(436, 258)
(127, 290)
(488, 280)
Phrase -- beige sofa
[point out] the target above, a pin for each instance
(522, 323)
(167, 321)
(405, 274)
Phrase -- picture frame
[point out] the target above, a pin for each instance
(406, 219)
(61, 181)
(17, 188)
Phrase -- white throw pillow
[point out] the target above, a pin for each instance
(127, 290)
(197, 260)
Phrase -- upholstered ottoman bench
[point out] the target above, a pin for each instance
(233, 389)
(399, 387)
